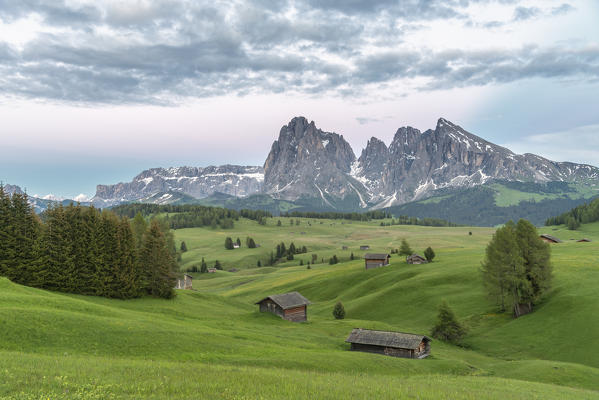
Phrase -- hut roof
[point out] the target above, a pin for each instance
(584, 240)
(552, 238)
(187, 275)
(376, 256)
(397, 340)
(418, 256)
(288, 300)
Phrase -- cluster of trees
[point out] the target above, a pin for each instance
(517, 267)
(192, 216)
(84, 250)
(583, 214)
(230, 244)
(354, 216)
(284, 252)
(405, 220)
(406, 250)
(203, 267)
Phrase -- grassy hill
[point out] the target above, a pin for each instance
(213, 343)
(500, 201)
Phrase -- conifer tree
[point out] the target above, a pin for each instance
(279, 223)
(183, 247)
(447, 327)
(429, 254)
(238, 242)
(203, 266)
(217, 265)
(157, 263)
(7, 239)
(291, 249)
(139, 227)
(405, 248)
(228, 243)
(351, 256)
(258, 264)
(339, 311)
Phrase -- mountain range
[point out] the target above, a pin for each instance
(312, 170)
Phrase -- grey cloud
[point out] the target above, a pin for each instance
(562, 9)
(524, 13)
(255, 46)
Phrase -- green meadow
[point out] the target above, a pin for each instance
(212, 343)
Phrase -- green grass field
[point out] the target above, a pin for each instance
(212, 343)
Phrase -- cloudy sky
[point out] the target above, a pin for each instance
(96, 91)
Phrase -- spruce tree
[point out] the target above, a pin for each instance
(228, 243)
(7, 238)
(183, 247)
(157, 263)
(447, 327)
(536, 255)
(203, 266)
(339, 311)
(405, 248)
(258, 264)
(139, 227)
(217, 265)
(238, 242)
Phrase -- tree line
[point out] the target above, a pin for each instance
(354, 216)
(84, 250)
(583, 214)
(405, 220)
(191, 215)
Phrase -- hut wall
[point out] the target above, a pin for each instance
(388, 351)
(272, 307)
(297, 314)
(374, 263)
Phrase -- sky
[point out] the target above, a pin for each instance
(94, 92)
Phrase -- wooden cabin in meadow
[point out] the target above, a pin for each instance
(416, 259)
(364, 247)
(375, 260)
(549, 239)
(185, 283)
(584, 240)
(290, 306)
(396, 344)
(211, 270)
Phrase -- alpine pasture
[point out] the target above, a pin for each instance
(213, 342)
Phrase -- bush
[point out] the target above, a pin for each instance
(447, 327)
(339, 311)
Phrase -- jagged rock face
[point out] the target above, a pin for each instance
(305, 161)
(419, 163)
(196, 182)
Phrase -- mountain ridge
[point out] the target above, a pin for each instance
(306, 163)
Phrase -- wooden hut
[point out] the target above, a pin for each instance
(364, 247)
(290, 306)
(375, 260)
(549, 239)
(396, 344)
(584, 240)
(416, 259)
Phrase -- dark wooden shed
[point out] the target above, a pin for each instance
(396, 344)
(290, 306)
(364, 247)
(416, 259)
(583, 240)
(549, 239)
(375, 260)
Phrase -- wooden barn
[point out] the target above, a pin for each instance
(416, 259)
(185, 283)
(375, 260)
(396, 344)
(364, 247)
(549, 239)
(290, 306)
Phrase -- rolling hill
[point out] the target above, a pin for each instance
(213, 343)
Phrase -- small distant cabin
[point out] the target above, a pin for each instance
(236, 246)
(290, 306)
(343, 247)
(365, 247)
(375, 260)
(396, 344)
(416, 259)
(584, 240)
(549, 239)
(211, 270)
(233, 270)
(185, 283)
